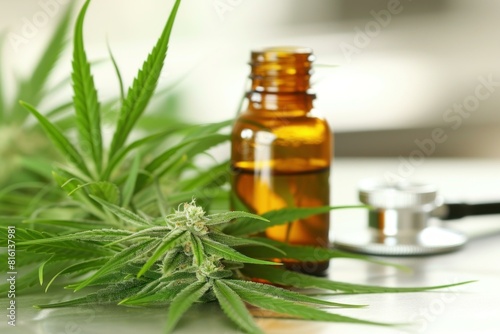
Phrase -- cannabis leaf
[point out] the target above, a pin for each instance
(85, 99)
(144, 86)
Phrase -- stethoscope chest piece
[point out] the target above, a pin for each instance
(399, 222)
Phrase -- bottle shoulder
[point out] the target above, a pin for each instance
(309, 126)
(273, 119)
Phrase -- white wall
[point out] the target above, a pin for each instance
(427, 58)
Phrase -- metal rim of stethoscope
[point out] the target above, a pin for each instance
(399, 222)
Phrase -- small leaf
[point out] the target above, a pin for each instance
(125, 256)
(173, 239)
(72, 224)
(162, 296)
(106, 191)
(40, 270)
(92, 235)
(234, 308)
(220, 218)
(198, 251)
(183, 301)
(84, 266)
(58, 139)
(264, 248)
(125, 215)
(279, 217)
(70, 303)
(286, 294)
(226, 252)
(155, 231)
(70, 183)
(109, 295)
(293, 308)
(117, 71)
(128, 188)
(172, 260)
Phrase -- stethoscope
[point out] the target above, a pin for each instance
(399, 220)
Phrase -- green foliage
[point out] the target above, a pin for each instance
(177, 262)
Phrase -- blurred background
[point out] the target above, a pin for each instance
(405, 68)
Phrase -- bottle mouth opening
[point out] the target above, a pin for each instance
(285, 69)
(285, 55)
(282, 53)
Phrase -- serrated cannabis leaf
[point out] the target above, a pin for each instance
(85, 99)
(183, 301)
(70, 224)
(264, 248)
(293, 308)
(92, 235)
(144, 86)
(289, 278)
(234, 308)
(219, 218)
(226, 252)
(286, 294)
(106, 191)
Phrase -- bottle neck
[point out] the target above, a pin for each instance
(281, 80)
(291, 104)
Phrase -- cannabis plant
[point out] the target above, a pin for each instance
(130, 231)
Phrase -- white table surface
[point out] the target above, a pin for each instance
(474, 308)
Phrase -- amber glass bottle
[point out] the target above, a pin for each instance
(282, 150)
